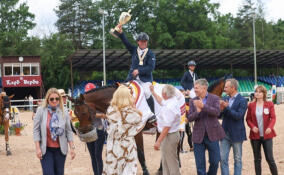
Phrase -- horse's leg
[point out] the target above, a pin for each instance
(6, 127)
(140, 152)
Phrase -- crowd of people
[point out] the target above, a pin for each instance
(52, 130)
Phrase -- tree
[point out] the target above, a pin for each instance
(77, 19)
(55, 70)
(15, 21)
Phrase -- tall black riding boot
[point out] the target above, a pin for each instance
(141, 158)
(151, 104)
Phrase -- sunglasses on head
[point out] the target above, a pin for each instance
(52, 99)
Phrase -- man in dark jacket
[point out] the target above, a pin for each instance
(143, 63)
(233, 109)
(189, 77)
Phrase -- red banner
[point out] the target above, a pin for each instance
(21, 81)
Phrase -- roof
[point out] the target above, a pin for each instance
(89, 60)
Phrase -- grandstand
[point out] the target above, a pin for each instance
(120, 59)
(246, 83)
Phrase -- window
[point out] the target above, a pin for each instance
(19, 69)
(34, 69)
(16, 69)
(26, 68)
(7, 69)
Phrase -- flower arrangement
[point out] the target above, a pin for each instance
(17, 128)
(19, 125)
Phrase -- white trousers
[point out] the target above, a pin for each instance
(146, 88)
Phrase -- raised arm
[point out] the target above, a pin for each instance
(128, 45)
(193, 114)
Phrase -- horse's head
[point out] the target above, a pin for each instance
(85, 112)
(5, 105)
(217, 87)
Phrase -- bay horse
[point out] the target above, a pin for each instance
(98, 99)
(5, 116)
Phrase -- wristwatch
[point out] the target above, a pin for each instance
(72, 147)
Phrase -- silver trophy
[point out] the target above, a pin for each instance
(123, 19)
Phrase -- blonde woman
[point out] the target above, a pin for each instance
(52, 134)
(125, 121)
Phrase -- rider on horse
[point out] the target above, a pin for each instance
(143, 63)
(189, 78)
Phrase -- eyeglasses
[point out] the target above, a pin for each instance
(52, 99)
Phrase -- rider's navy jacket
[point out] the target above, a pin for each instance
(145, 70)
(187, 80)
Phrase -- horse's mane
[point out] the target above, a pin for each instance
(101, 88)
(215, 83)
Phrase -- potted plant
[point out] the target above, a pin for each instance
(17, 127)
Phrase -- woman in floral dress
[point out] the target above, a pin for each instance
(125, 121)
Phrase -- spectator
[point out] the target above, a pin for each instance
(125, 121)
(204, 110)
(168, 126)
(38, 103)
(52, 133)
(96, 147)
(261, 120)
(31, 99)
(26, 103)
(233, 109)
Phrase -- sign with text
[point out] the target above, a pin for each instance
(21, 81)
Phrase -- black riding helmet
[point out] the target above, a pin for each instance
(142, 36)
(191, 63)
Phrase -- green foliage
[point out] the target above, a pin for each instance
(55, 68)
(171, 24)
(15, 21)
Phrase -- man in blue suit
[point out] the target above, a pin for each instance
(143, 63)
(233, 109)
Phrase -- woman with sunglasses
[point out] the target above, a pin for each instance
(52, 134)
(261, 120)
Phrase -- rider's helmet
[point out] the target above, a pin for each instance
(142, 36)
(89, 87)
(191, 63)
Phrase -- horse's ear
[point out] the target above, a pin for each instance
(11, 96)
(70, 98)
(82, 98)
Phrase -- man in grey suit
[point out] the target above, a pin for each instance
(204, 110)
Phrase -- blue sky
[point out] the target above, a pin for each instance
(45, 16)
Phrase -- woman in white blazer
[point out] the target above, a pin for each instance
(52, 134)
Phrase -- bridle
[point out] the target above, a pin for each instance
(92, 113)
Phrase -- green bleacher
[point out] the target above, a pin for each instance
(247, 86)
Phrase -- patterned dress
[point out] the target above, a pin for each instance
(121, 151)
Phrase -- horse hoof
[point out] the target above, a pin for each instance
(8, 153)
